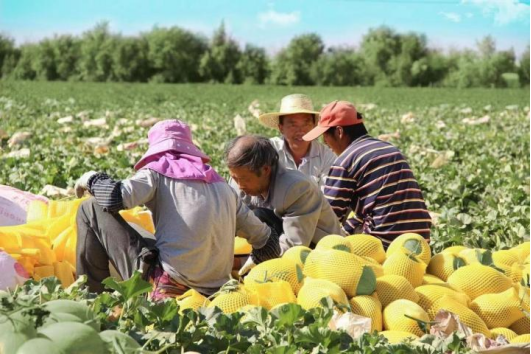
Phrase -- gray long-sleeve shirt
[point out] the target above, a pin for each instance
(195, 226)
(306, 215)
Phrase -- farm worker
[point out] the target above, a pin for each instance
(295, 118)
(370, 177)
(195, 212)
(285, 199)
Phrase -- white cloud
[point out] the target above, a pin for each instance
(503, 11)
(272, 17)
(451, 16)
(469, 15)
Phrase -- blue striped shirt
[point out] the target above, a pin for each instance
(372, 179)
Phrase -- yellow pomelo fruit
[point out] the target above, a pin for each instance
(523, 338)
(368, 306)
(466, 315)
(525, 274)
(521, 326)
(273, 293)
(241, 246)
(394, 317)
(314, 290)
(277, 269)
(297, 254)
(454, 249)
(367, 246)
(394, 287)
(234, 300)
(524, 246)
(477, 279)
(470, 255)
(396, 337)
(506, 332)
(414, 243)
(523, 296)
(191, 299)
(408, 266)
(513, 272)
(442, 265)
(506, 257)
(430, 294)
(429, 279)
(498, 310)
(334, 242)
(347, 270)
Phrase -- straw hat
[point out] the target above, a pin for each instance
(292, 104)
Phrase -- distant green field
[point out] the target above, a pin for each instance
(475, 177)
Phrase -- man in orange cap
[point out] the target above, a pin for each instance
(370, 177)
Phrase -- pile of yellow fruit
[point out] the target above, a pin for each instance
(46, 245)
(393, 288)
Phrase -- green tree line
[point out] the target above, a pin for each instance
(176, 55)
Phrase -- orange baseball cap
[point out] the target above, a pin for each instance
(335, 114)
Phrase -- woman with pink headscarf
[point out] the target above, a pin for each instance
(195, 212)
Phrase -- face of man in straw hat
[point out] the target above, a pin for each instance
(293, 127)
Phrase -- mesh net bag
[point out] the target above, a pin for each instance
(394, 317)
(367, 246)
(368, 306)
(393, 287)
(477, 279)
(408, 266)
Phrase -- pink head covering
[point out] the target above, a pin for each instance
(173, 154)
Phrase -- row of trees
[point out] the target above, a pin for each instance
(174, 55)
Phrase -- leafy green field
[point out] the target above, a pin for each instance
(473, 169)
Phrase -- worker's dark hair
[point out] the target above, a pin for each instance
(256, 152)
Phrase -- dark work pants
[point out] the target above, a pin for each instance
(269, 217)
(103, 237)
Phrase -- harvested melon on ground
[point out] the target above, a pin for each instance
(314, 290)
(430, 294)
(506, 257)
(472, 255)
(277, 269)
(297, 254)
(442, 265)
(81, 338)
(345, 269)
(406, 265)
(454, 249)
(513, 272)
(402, 315)
(477, 279)
(396, 337)
(191, 299)
(523, 338)
(505, 332)
(466, 315)
(375, 266)
(233, 296)
(39, 345)
(521, 326)
(414, 243)
(498, 310)
(334, 242)
(394, 287)
(368, 306)
(429, 279)
(367, 246)
(271, 294)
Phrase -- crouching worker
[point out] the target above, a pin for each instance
(287, 200)
(195, 212)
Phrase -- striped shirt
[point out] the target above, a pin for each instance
(372, 179)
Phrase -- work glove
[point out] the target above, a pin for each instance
(247, 266)
(82, 183)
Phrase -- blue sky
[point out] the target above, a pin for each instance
(271, 24)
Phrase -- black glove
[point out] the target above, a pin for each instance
(270, 250)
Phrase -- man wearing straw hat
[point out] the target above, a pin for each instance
(295, 118)
(196, 216)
